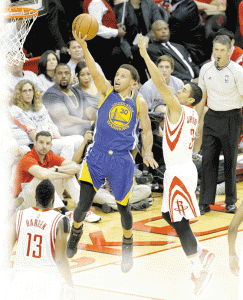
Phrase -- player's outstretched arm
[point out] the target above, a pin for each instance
(158, 79)
(100, 81)
(147, 136)
(232, 235)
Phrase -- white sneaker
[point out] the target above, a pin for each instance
(206, 258)
(201, 282)
(69, 214)
(220, 188)
(91, 217)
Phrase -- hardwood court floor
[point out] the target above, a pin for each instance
(161, 269)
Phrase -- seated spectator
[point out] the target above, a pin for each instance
(88, 89)
(16, 74)
(104, 196)
(108, 36)
(30, 116)
(187, 29)
(47, 64)
(184, 68)
(66, 104)
(41, 163)
(139, 17)
(76, 55)
(150, 92)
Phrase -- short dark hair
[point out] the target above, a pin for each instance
(196, 93)
(224, 31)
(80, 66)
(61, 64)
(132, 70)
(42, 133)
(43, 63)
(45, 192)
(224, 40)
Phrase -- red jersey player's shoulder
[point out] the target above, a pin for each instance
(237, 55)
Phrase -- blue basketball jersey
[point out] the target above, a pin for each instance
(117, 122)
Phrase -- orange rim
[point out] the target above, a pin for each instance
(13, 12)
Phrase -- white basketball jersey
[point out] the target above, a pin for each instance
(178, 138)
(36, 235)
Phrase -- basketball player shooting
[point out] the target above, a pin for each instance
(120, 110)
(179, 203)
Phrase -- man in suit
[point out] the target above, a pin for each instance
(184, 68)
(187, 29)
(138, 18)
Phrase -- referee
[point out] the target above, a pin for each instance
(222, 84)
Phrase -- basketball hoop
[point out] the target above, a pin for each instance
(16, 23)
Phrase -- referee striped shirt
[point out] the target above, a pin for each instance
(224, 86)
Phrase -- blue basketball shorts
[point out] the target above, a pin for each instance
(116, 166)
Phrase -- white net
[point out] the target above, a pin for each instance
(16, 23)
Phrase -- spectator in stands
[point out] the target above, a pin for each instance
(66, 104)
(41, 163)
(187, 29)
(184, 68)
(88, 89)
(149, 91)
(47, 64)
(16, 74)
(139, 17)
(30, 116)
(76, 55)
(108, 36)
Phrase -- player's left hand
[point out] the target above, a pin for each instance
(142, 45)
(149, 161)
(234, 264)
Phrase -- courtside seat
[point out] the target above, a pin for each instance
(31, 64)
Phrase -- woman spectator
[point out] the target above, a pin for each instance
(47, 64)
(88, 89)
(30, 116)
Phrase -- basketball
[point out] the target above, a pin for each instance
(85, 24)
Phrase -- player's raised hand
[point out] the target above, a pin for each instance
(142, 44)
(79, 39)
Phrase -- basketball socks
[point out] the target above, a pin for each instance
(127, 254)
(196, 265)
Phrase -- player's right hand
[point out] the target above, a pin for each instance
(79, 39)
(234, 264)
(149, 161)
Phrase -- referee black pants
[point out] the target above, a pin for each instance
(221, 131)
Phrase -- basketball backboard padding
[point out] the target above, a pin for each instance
(40, 5)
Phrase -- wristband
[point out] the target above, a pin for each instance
(147, 155)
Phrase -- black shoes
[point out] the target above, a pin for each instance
(204, 208)
(127, 250)
(75, 236)
(231, 208)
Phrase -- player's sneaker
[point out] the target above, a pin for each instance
(69, 214)
(91, 217)
(206, 258)
(75, 236)
(127, 257)
(201, 282)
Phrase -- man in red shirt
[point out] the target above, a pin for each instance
(40, 163)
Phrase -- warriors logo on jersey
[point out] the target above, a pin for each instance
(120, 116)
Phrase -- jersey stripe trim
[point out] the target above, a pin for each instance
(53, 234)
(169, 132)
(19, 221)
(105, 97)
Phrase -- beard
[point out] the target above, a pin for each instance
(64, 85)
